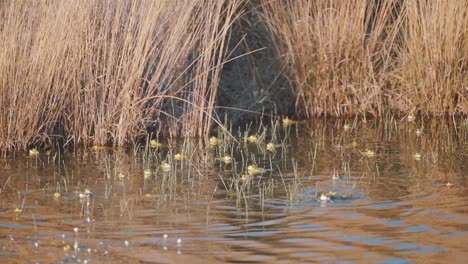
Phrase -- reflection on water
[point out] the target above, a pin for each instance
(321, 199)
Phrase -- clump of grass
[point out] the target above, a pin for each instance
(433, 59)
(367, 57)
(103, 72)
(337, 52)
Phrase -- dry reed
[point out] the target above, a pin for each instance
(433, 59)
(365, 56)
(103, 72)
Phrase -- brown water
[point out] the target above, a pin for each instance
(390, 208)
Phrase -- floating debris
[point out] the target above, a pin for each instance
(346, 127)
(411, 117)
(449, 184)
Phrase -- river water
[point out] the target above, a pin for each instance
(389, 206)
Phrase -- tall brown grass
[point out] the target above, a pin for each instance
(368, 56)
(433, 59)
(105, 71)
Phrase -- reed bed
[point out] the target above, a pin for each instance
(107, 72)
(115, 72)
(432, 63)
(358, 57)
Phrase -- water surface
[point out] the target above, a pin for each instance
(389, 208)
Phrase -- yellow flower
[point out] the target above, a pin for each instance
(57, 195)
(33, 152)
(18, 211)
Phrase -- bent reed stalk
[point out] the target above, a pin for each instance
(103, 72)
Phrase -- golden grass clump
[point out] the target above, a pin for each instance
(338, 51)
(433, 59)
(104, 71)
(364, 56)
